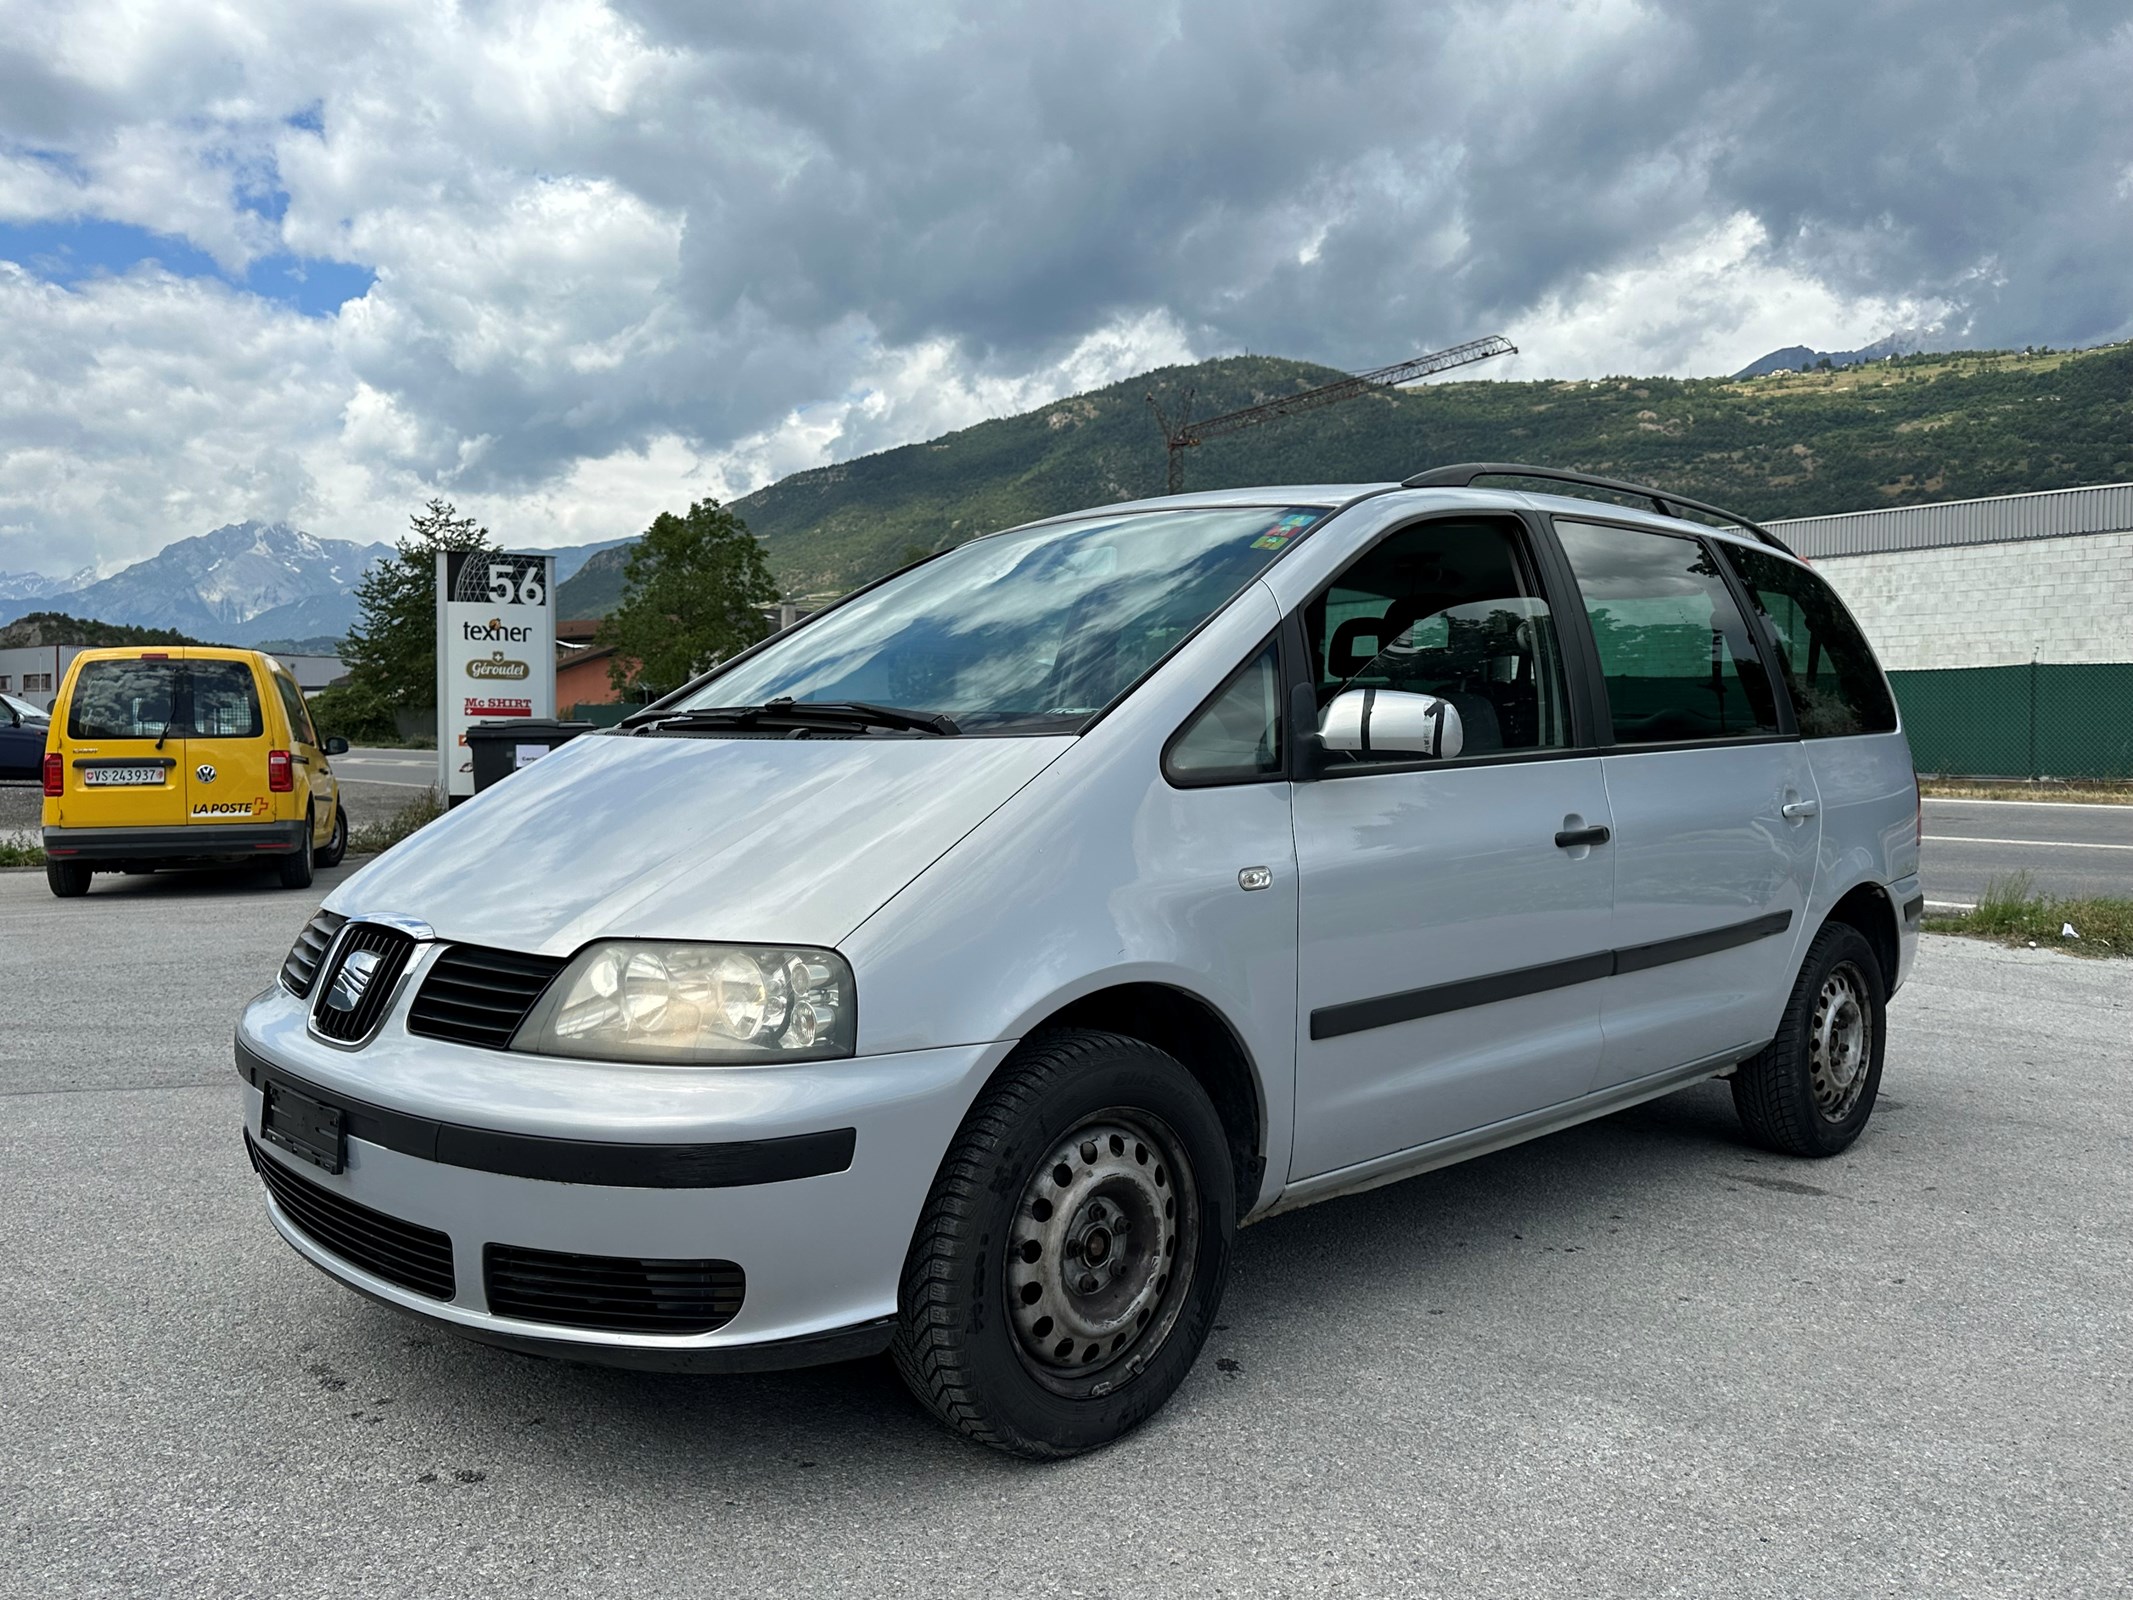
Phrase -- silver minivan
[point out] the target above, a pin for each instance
(954, 973)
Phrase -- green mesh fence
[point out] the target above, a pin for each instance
(2045, 720)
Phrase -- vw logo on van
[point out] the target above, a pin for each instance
(205, 772)
(353, 978)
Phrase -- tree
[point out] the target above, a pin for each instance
(392, 649)
(693, 592)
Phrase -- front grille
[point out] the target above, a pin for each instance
(300, 971)
(479, 996)
(391, 948)
(616, 1294)
(400, 1252)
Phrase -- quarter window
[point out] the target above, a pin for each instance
(292, 701)
(1235, 737)
(1448, 608)
(1835, 685)
(1677, 657)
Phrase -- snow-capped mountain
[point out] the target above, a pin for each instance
(242, 582)
(35, 585)
(238, 585)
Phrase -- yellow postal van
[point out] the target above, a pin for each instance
(177, 757)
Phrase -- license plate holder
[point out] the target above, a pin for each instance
(308, 1129)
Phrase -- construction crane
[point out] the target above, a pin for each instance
(1184, 435)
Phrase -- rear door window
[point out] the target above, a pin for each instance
(127, 699)
(1675, 652)
(225, 701)
(1830, 672)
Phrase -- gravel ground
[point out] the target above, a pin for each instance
(1636, 1359)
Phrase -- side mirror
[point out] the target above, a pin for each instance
(335, 745)
(1392, 722)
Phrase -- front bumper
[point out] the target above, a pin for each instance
(208, 841)
(658, 1163)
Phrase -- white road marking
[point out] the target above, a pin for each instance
(1950, 905)
(2052, 805)
(2034, 844)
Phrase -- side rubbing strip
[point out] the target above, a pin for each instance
(1358, 1016)
(1710, 942)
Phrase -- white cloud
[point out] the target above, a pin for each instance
(1705, 302)
(629, 253)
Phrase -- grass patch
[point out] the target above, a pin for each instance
(418, 813)
(20, 855)
(2010, 912)
(2096, 794)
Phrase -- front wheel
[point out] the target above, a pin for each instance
(1072, 1254)
(336, 846)
(1811, 1089)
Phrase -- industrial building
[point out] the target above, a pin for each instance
(2006, 624)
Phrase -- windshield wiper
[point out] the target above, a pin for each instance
(786, 712)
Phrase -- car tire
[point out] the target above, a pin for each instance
(992, 1335)
(1810, 1091)
(68, 879)
(295, 867)
(336, 846)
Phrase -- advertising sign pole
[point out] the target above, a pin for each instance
(495, 650)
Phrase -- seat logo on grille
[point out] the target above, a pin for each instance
(353, 978)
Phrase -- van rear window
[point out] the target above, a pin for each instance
(146, 699)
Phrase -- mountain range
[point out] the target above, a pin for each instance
(1903, 429)
(245, 583)
(1900, 431)
(1800, 358)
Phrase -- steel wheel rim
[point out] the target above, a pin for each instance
(1840, 1046)
(1100, 1252)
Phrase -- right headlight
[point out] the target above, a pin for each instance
(651, 1000)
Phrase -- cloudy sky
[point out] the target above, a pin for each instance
(570, 264)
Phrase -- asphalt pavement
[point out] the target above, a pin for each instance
(1636, 1359)
(2067, 848)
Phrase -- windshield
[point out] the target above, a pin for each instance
(1032, 631)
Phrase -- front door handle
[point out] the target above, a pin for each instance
(1801, 810)
(1571, 838)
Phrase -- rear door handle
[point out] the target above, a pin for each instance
(1798, 810)
(1571, 838)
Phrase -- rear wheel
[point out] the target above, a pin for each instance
(295, 867)
(68, 879)
(1073, 1251)
(1811, 1090)
(336, 846)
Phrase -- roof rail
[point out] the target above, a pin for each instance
(1663, 501)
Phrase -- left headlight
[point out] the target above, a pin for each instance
(641, 1000)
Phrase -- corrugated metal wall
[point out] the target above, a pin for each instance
(2048, 514)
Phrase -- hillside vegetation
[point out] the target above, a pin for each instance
(1896, 432)
(56, 627)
